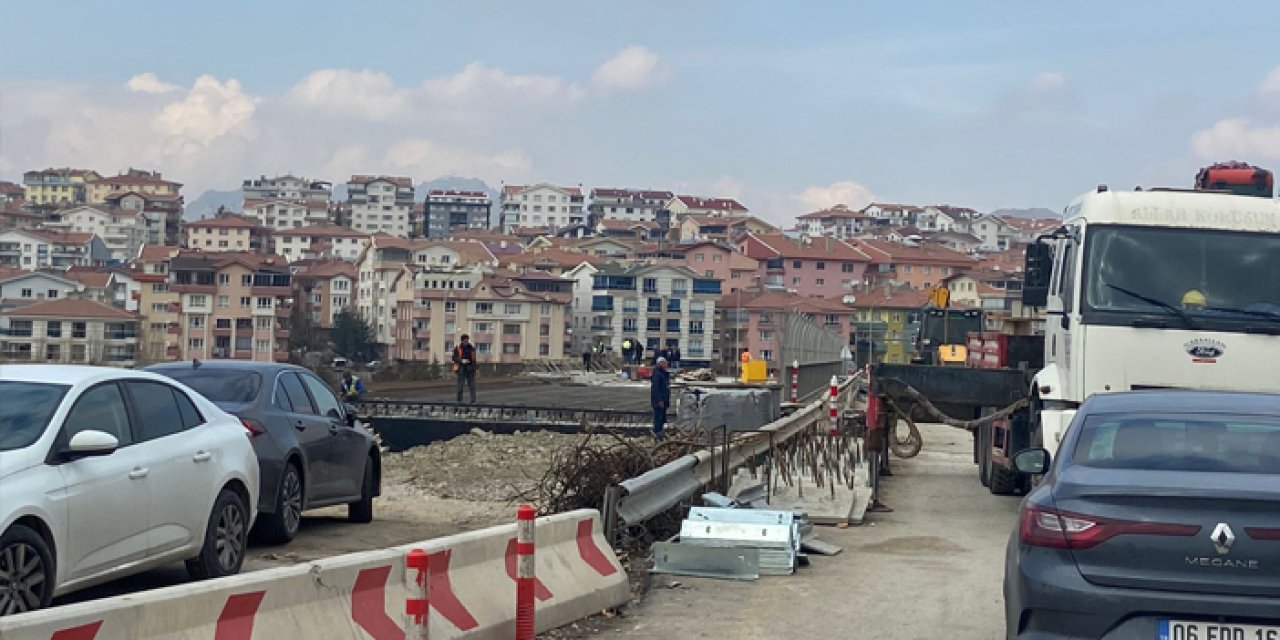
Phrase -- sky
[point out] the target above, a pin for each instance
(787, 106)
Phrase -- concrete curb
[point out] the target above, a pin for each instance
(362, 595)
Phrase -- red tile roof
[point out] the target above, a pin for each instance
(780, 300)
(889, 297)
(816, 249)
(71, 308)
(398, 181)
(712, 204)
(224, 222)
(626, 225)
(164, 197)
(838, 211)
(156, 252)
(643, 194)
(10, 188)
(882, 251)
(88, 276)
(554, 256)
(321, 231)
(61, 237)
(327, 269)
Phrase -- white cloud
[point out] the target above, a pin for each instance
(211, 109)
(426, 158)
(149, 83)
(479, 83)
(1047, 81)
(632, 69)
(845, 192)
(1238, 139)
(364, 93)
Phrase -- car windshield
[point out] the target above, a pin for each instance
(219, 385)
(26, 410)
(1214, 280)
(1195, 442)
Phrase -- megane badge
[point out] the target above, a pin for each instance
(1222, 538)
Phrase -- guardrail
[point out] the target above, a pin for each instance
(508, 414)
(657, 490)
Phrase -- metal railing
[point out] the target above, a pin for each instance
(506, 414)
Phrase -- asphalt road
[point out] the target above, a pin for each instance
(930, 569)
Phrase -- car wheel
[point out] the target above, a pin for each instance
(281, 527)
(26, 571)
(225, 539)
(361, 511)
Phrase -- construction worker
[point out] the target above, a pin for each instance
(351, 388)
(1194, 300)
(660, 396)
(464, 365)
(627, 351)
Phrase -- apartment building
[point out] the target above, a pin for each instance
(554, 261)
(630, 205)
(722, 228)
(159, 305)
(52, 188)
(682, 206)
(163, 212)
(381, 204)
(541, 205)
(891, 214)
(722, 262)
(324, 288)
(886, 321)
(919, 266)
(276, 214)
(12, 193)
(319, 242)
(756, 320)
(69, 331)
(510, 317)
(228, 233)
(839, 221)
(288, 188)
(19, 288)
(823, 267)
(661, 304)
(447, 211)
(123, 231)
(13, 216)
(32, 249)
(232, 305)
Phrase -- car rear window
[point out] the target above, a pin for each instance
(219, 385)
(1220, 443)
(25, 411)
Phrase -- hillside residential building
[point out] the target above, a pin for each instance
(954, 240)
(108, 285)
(52, 188)
(286, 214)
(994, 233)
(682, 206)
(999, 295)
(541, 205)
(69, 331)
(661, 305)
(381, 204)
(732, 268)
(122, 231)
(607, 247)
(228, 233)
(232, 305)
(756, 319)
(610, 228)
(288, 188)
(839, 221)
(163, 212)
(324, 288)
(630, 205)
(554, 261)
(12, 193)
(160, 306)
(19, 288)
(137, 180)
(446, 212)
(13, 216)
(377, 268)
(887, 319)
(32, 249)
(725, 228)
(509, 317)
(920, 266)
(823, 267)
(896, 215)
(318, 242)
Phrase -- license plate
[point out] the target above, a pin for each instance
(1187, 630)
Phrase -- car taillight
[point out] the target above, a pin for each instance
(1263, 533)
(254, 428)
(1044, 527)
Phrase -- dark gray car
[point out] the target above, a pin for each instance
(1160, 518)
(311, 450)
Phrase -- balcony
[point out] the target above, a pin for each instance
(283, 334)
(283, 311)
(172, 352)
(706, 286)
(243, 354)
(222, 331)
(174, 329)
(281, 356)
(274, 291)
(423, 333)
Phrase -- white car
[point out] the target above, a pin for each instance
(107, 472)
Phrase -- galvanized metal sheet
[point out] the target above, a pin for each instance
(657, 490)
(708, 562)
(748, 516)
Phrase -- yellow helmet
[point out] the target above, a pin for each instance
(1193, 297)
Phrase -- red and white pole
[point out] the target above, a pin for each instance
(526, 579)
(831, 407)
(418, 608)
(795, 382)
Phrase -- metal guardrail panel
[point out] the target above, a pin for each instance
(657, 490)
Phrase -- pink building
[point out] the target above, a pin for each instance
(714, 260)
(823, 267)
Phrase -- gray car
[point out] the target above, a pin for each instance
(1159, 518)
(311, 450)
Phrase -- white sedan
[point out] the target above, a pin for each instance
(107, 472)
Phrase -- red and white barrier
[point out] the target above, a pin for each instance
(526, 573)
(795, 382)
(833, 407)
(468, 589)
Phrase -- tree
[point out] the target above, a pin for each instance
(353, 337)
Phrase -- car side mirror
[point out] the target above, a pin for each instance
(1031, 461)
(350, 410)
(92, 443)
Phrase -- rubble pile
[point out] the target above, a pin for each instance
(480, 465)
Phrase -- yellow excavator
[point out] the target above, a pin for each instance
(943, 335)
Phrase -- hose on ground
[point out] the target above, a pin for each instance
(923, 403)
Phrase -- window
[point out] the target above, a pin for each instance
(695, 327)
(246, 280)
(544, 349)
(99, 409)
(224, 302)
(262, 346)
(795, 281)
(906, 268)
(510, 329)
(483, 348)
(53, 294)
(155, 410)
(546, 309)
(653, 324)
(820, 281)
(294, 394)
(766, 336)
(450, 306)
(326, 402)
(820, 265)
(513, 309)
(196, 322)
(224, 278)
(161, 287)
(766, 354)
(628, 324)
(79, 330)
(650, 285)
(673, 325)
(1200, 443)
(195, 344)
(679, 286)
(698, 257)
(264, 324)
(673, 305)
(797, 264)
(26, 293)
(846, 267)
(484, 307)
(53, 329)
(511, 349)
(264, 302)
(655, 305)
(245, 302)
(199, 300)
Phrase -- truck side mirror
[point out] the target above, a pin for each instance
(1039, 271)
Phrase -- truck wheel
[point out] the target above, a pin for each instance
(983, 437)
(1002, 481)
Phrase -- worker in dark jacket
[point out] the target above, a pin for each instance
(660, 396)
(464, 365)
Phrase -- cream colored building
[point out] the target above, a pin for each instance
(320, 242)
(122, 231)
(159, 305)
(227, 233)
(58, 187)
(233, 305)
(71, 331)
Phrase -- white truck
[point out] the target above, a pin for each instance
(1143, 289)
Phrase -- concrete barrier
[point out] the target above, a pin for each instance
(362, 595)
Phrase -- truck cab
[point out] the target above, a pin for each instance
(1154, 289)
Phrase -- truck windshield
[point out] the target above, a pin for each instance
(1188, 278)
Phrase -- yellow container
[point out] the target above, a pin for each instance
(755, 371)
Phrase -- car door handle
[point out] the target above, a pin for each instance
(138, 473)
(202, 456)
